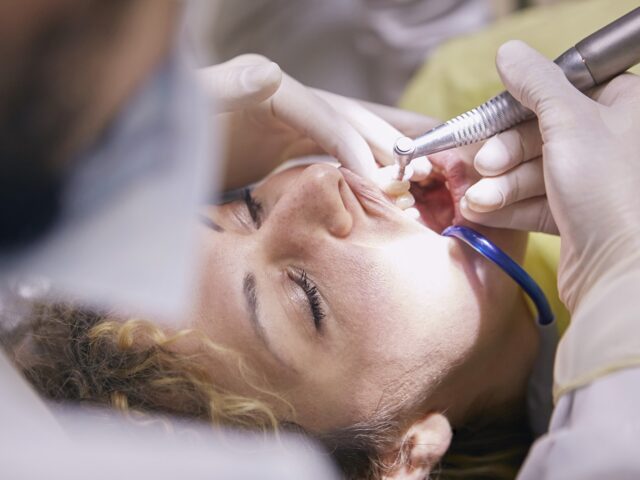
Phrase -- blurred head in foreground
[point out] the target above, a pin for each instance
(69, 66)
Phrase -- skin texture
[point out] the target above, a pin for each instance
(412, 318)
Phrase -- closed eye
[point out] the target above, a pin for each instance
(313, 297)
(254, 207)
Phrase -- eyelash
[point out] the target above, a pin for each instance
(313, 295)
(254, 207)
(310, 289)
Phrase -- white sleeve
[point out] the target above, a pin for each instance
(594, 433)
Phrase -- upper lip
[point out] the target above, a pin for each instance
(372, 200)
(448, 165)
(374, 203)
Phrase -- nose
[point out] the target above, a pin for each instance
(309, 208)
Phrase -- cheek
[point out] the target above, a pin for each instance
(216, 294)
(428, 308)
(495, 290)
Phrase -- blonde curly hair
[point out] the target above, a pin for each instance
(78, 355)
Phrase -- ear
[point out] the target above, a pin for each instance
(421, 448)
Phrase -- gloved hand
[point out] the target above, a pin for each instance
(269, 117)
(575, 171)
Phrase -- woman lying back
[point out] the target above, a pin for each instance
(321, 306)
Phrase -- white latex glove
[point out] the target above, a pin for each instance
(587, 190)
(241, 82)
(270, 117)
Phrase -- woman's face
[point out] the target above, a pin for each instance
(342, 302)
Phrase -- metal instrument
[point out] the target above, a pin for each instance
(598, 58)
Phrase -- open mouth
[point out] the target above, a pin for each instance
(438, 198)
(434, 202)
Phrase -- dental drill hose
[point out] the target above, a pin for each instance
(491, 252)
(598, 58)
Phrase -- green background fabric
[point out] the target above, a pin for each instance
(461, 74)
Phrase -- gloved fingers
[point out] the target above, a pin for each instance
(303, 147)
(492, 193)
(235, 85)
(409, 123)
(623, 89)
(247, 59)
(420, 169)
(311, 116)
(379, 134)
(508, 149)
(531, 215)
(539, 84)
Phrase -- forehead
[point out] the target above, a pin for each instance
(351, 377)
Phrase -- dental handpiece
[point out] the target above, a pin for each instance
(598, 58)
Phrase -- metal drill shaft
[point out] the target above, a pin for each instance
(494, 116)
(403, 152)
(594, 60)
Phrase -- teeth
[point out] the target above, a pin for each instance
(405, 201)
(385, 178)
(427, 181)
(421, 168)
(412, 212)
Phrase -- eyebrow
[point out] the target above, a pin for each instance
(250, 290)
(206, 221)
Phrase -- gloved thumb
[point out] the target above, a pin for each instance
(536, 82)
(236, 86)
